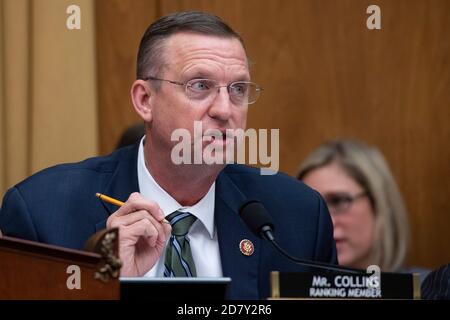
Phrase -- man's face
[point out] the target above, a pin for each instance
(190, 56)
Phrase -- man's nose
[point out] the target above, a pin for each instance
(221, 105)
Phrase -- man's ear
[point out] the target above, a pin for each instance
(140, 96)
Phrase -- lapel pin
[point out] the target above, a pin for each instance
(246, 246)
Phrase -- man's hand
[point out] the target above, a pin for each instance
(142, 236)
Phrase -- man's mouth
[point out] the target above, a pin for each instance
(220, 137)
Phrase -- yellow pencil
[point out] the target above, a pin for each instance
(109, 199)
(117, 202)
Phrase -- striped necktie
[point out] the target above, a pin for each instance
(178, 261)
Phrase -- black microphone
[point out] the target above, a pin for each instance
(260, 223)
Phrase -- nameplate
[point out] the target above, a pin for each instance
(345, 286)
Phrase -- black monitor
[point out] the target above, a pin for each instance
(173, 289)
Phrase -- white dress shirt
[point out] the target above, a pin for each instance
(202, 235)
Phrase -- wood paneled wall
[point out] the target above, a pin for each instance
(120, 26)
(325, 75)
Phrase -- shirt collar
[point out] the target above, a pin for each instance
(151, 190)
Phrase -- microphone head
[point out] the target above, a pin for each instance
(256, 217)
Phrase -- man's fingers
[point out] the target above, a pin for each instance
(162, 231)
(143, 228)
(139, 217)
(167, 230)
(136, 203)
(142, 224)
(129, 219)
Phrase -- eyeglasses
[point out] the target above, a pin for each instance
(341, 202)
(200, 90)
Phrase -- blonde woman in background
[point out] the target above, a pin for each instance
(369, 216)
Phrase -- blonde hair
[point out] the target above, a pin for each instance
(367, 166)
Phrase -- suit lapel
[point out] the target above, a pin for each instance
(123, 181)
(242, 269)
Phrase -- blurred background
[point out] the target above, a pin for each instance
(64, 94)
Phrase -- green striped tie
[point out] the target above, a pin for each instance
(178, 261)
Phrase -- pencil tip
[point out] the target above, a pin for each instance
(98, 195)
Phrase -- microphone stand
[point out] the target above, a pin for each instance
(267, 234)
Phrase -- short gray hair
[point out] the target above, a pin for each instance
(150, 56)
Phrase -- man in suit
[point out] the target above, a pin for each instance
(191, 67)
(436, 285)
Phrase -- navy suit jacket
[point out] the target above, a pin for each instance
(436, 285)
(58, 206)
